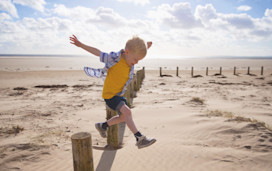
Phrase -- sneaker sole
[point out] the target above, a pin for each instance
(147, 145)
(97, 128)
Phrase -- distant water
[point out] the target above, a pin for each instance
(77, 62)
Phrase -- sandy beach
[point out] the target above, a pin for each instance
(215, 122)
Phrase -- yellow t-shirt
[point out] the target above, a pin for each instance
(117, 76)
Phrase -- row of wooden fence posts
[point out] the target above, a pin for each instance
(82, 141)
(207, 71)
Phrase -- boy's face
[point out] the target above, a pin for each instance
(132, 58)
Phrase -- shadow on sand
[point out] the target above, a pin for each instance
(108, 155)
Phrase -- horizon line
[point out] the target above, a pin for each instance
(161, 57)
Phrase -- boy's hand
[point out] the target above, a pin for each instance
(90, 49)
(75, 41)
(149, 44)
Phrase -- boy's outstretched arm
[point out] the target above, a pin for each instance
(90, 49)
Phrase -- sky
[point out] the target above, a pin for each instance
(177, 28)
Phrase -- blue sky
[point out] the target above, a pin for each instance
(177, 28)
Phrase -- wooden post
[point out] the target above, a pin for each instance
(132, 92)
(82, 151)
(143, 72)
(192, 72)
(135, 85)
(112, 134)
(138, 74)
(128, 96)
(207, 71)
(177, 71)
(248, 71)
(262, 69)
(141, 76)
(220, 72)
(160, 71)
(234, 71)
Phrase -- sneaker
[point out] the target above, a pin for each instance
(101, 131)
(143, 141)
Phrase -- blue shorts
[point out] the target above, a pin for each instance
(116, 102)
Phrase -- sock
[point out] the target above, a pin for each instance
(105, 125)
(137, 134)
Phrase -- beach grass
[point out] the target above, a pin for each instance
(232, 117)
(11, 130)
(198, 100)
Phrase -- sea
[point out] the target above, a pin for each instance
(15, 62)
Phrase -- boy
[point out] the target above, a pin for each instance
(117, 73)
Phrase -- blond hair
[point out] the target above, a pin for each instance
(137, 46)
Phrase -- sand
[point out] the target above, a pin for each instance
(204, 123)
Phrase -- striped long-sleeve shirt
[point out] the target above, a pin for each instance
(110, 59)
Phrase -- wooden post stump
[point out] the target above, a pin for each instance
(131, 91)
(127, 95)
(82, 151)
(262, 69)
(177, 71)
(192, 72)
(207, 71)
(135, 86)
(234, 71)
(220, 72)
(132, 88)
(142, 76)
(143, 72)
(160, 71)
(112, 134)
(248, 71)
(138, 74)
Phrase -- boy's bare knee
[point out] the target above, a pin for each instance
(122, 117)
(125, 110)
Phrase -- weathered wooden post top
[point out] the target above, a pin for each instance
(82, 151)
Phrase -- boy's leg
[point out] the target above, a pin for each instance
(126, 116)
(116, 120)
(113, 103)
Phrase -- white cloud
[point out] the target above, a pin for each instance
(240, 21)
(103, 18)
(206, 13)
(4, 16)
(6, 5)
(29, 35)
(76, 13)
(268, 13)
(102, 26)
(35, 4)
(141, 2)
(174, 29)
(107, 17)
(236, 26)
(178, 16)
(212, 19)
(244, 8)
(43, 25)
